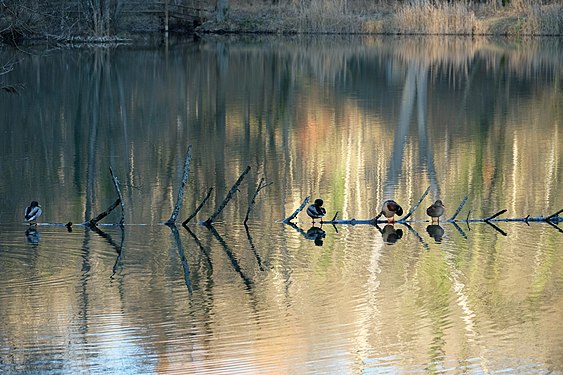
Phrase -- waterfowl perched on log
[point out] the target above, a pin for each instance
(33, 212)
(389, 209)
(436, 210)
(316, 210)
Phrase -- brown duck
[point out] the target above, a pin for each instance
(436, 210)
(390, 208)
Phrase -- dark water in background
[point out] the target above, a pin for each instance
(351, 120)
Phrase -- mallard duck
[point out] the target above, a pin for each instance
(436, 210)
(316, 210)
(33, 212)
(389, 209)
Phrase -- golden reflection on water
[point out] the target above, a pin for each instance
(353, 123)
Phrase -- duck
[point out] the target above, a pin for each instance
(436, 210)
(33, 212)
(316, 210)
(389, 209)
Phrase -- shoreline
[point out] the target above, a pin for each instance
(423, 19)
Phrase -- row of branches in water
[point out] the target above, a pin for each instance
(552, 219)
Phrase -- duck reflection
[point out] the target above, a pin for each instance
(33, 236)
(390, 234)
(316, 235)
(436, 232)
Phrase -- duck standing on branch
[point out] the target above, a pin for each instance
(389, 209)
(436, 210)
(33, 212)
(316, 210)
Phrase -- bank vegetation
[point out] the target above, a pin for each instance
(106, 20)
(421, 17)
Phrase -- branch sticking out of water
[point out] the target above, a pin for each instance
(229, 196)
(180, 198)
(185, 222)
(495, 215)
(554, 215)
(95, 220)
(261, 185)
(116, 185)
(335, 216)
(402, 220)
(458, 209)
(297, 211)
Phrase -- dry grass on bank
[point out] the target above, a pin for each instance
(426, 18)
(520, 17)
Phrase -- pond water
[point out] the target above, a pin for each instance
(352, 120)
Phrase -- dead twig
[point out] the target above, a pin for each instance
(93, 222)
(116, 185)
(458, 209)
(554, 215)
(229, 196)
(297, 211)
(402, 220)
(180, 198)
(495, 215)
(261, 185)
(185, 222)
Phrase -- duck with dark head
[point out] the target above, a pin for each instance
(435, 211)
(32, 213)
(316, 210)
(389, 209)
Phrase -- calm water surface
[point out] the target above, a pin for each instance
(351, 120)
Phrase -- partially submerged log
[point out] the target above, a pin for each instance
(552, 219)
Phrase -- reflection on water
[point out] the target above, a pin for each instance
(352, 120)
(436, 232)
(390, 234)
